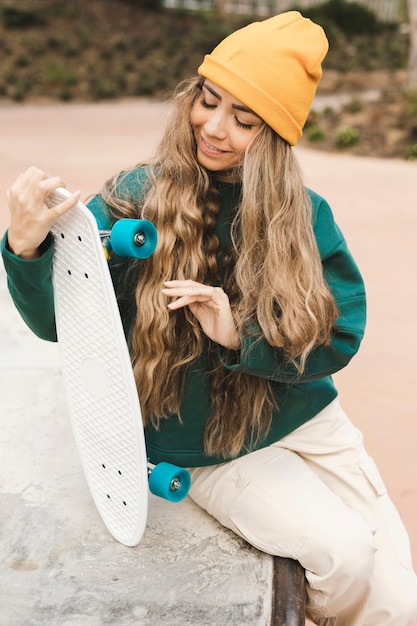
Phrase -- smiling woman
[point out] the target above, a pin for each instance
(236, 324)
(223, 128)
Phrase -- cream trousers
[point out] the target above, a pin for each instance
(316, 496)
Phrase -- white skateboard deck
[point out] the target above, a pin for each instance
(102, 398)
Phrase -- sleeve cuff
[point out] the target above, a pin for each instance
(45, 251)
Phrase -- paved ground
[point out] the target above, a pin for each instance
(59, 565)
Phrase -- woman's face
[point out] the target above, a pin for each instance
(223, 128)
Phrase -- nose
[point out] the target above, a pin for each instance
(215, 126)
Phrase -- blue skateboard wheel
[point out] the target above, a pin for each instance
(134, 238)
(170, 482)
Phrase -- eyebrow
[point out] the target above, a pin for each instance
(239, 107)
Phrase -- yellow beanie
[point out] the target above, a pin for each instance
(273, 67)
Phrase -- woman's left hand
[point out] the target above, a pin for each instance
(211, 307)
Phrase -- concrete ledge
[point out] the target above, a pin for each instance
(59, 564)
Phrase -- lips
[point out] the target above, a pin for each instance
(209, 149)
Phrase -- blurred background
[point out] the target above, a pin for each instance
(77, 51)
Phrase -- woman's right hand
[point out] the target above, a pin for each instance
(30, 217)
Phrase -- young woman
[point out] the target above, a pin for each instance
(250, 303)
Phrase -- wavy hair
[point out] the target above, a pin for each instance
(274, 276)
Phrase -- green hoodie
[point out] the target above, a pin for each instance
(299, 397)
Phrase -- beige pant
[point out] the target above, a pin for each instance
(317, 496)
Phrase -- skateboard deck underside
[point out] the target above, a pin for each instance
(101, 393)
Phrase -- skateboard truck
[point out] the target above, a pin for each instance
(139, 238)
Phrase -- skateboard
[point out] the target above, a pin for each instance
(100, 389)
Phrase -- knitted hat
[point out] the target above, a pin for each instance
(273, 67)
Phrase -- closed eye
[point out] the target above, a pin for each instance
(206, 105)
(242, 125)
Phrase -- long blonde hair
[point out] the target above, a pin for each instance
(273, 271)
